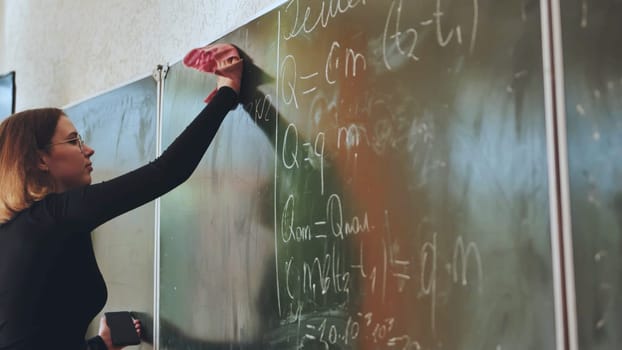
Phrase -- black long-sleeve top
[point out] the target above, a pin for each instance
(50, 284)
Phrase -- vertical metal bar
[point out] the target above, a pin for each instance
(159, 76)
(276, 157)
(564, 177)
(559, 197)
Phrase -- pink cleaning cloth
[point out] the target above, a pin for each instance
(205, 59)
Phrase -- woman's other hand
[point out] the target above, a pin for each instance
(104, 332)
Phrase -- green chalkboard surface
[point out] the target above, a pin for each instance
(592, 33)
(383, 184)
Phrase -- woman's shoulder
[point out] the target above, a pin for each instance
(36, 215)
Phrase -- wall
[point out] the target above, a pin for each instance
(64, 52)
(2, 41)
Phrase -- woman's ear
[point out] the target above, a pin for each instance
(42, 161)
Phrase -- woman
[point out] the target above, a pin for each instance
(50, 284)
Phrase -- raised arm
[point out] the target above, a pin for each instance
(84, 208)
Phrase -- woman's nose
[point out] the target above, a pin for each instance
(88, 151)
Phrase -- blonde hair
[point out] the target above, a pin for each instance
(22, 136)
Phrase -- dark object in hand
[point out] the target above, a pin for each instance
(122, 330)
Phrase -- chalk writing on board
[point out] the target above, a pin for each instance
(288, 91)
(398, 41)
(351, 136)
(260, 108)
(332, 248)
(337, 226)
(343, 60)
(328, 274)
(324, 11)
(313, 152)
(329, 332)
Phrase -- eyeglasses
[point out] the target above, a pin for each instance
(76, 141)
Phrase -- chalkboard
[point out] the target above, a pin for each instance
(592, 33)
(383, 185)
(7, 95)
(120, 126)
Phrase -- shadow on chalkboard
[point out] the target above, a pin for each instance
(177, 336)
(252, 79)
